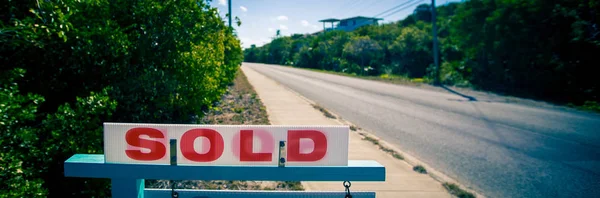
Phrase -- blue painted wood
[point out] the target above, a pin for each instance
(162, 193)
(127, 188)
(93, 166)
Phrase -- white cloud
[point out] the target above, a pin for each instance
(244, 9)
(283, 27)
(282, 18)
(223, 2)
(315, 27)
(271, 29)
(305, 23)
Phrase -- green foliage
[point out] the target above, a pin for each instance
(529, 48)
(89, 62)
(34, 152)
(363, 51)
(280, 50)
(420, 169)
(17, 139)
(166, 61)
(591, 105)
(457, 191)
(532, 48)
(74, 129)
(369, 50)
(411, 51)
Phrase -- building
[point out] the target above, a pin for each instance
(348, 24)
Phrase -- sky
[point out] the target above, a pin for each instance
(262, 18)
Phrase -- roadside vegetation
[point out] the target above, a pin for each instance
(420, 169)
(324, 111)
(389, 78)
(383, 148)
(457, 191)
(535, 49)
(238, 106)
(68, 66)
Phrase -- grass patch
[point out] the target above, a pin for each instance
(420, 169)
(457, 191)
(372, 140)
(324, 111)
(383, 148)
(395, 79)
(240, 105)
(587, 106)
(591, 106)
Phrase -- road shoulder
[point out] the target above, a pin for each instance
(287, 107)
(468, 93)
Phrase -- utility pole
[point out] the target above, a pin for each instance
(229, 4)
(435, 45)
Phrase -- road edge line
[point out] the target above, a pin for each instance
(409, 159)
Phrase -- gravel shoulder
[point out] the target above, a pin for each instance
(238, 106)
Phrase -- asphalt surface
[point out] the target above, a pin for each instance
(500, 149)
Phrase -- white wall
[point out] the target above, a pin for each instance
(349, 26)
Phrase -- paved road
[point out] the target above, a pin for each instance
(500, 149)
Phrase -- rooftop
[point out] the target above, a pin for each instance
(362, 17)
(356, 17)
(329, 20)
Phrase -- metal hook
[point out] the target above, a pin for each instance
(173, 193)
(347, 185)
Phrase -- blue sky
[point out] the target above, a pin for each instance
(261, 18)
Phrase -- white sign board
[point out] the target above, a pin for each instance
(211, 145)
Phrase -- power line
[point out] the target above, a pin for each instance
(370, 6)
(358, 5)
(415, 3)
(402, 4)
(355, 3)
(347, 6)
(394, 8)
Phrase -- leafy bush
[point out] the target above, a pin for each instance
(17, 139)
(90, 62)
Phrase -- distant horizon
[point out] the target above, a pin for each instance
(262, 18)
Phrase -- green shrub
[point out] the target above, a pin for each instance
(18, 140)
(420, 169)
(457, 191)
(160, 61)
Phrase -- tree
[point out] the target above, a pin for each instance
(504, 41)
(97, 61)
(532, 48)
(251, 54)
(280, 51)
(423, 13)
(411, 51)
(365, 52)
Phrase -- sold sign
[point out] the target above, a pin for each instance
(226, 144)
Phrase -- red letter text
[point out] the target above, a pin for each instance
(246, 145)
(318, 138)
(216, 145)
(157, 149)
